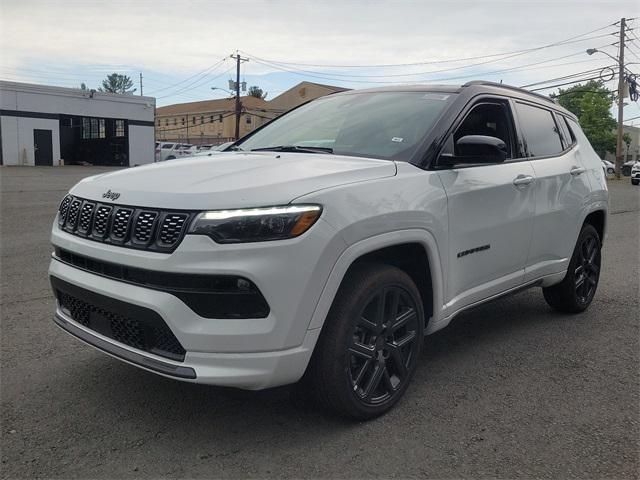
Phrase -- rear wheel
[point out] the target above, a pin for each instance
(576, 291)
(370, 343)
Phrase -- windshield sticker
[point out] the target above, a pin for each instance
(397, 139)
(436, 96)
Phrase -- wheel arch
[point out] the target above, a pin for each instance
(400, 249)
(597, 219)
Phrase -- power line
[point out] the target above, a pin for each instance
(567, 40)
(577, 74)
(504, 70)
(333, 74)
(200, 82)
(567, 83)
(202, 72)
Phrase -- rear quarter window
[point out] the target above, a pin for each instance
(539, 130)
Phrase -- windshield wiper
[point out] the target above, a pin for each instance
(294, 148)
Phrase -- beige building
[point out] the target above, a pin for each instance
(208, 121)
(301, 93)
(213, 121)
(631, 151)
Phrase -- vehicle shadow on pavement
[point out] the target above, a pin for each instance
(131, 393)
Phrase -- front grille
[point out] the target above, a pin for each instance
(102, 221)
(148, 229)
(72, 214)
(171, 229)
(63, 209)
(132, 325)
(144, 226)
(86, 215)
(120, 225)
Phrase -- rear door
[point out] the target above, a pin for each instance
(560, 188)
(490, 211)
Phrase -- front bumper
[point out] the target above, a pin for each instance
(249, 353)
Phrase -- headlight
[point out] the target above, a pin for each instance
(256, 224)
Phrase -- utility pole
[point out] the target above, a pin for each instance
(238, 60)
(140, 83)
(619, 162)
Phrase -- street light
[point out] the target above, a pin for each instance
(591, 51)
(233, 94)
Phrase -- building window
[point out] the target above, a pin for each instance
(247, 119)
(119, 128)
(201, 119)
(166, 122)
(102, 133)
(175, 121)
(220, 118)
(183, 120)
(94, 127)
(86, 128)
(212, 118)
(193, 120)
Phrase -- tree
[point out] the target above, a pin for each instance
(255, 91)
(83, 86)
(591, 103)
(116, 83)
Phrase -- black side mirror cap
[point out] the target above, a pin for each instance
(476, 149)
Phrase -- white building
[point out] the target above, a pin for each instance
(43, 125)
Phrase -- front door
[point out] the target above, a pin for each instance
(490, 211)
(43, 147)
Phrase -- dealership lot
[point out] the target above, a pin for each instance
(510, 388)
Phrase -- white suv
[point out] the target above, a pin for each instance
(329, 242)
(635, 173)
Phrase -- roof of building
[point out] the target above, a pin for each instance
(205, 106)
(296, 87)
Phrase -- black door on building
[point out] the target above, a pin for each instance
(43, 147)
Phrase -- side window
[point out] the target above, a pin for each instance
(490, 119)
(564, 131)
(539, 130)
(572, 135)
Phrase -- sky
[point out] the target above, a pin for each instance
(182, 48)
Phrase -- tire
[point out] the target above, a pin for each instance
(576, 291)
(171, 157)
(610, 171)
(364, 362)
(635, 181)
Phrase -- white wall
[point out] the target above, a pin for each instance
(17, 139)
(17, 132)
(141, 145)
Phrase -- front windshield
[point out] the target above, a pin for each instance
(387, 125)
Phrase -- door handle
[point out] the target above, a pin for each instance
(577, 170)
(523, 180)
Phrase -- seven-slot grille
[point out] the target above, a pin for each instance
(121, 225)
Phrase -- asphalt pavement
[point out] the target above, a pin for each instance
(510, 389)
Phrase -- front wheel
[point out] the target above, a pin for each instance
(370, 343)
(576, 291)
(635, 181)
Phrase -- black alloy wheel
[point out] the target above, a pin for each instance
(370, 343)
(588, 270)
(576, 291)
(384, 343)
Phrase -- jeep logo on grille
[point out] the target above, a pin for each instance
(111, 195)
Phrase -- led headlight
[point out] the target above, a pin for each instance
(256, 224)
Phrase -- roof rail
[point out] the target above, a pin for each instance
(510, 87)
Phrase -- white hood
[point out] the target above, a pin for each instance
(230, 180)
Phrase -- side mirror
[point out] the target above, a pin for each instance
(476, 150)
